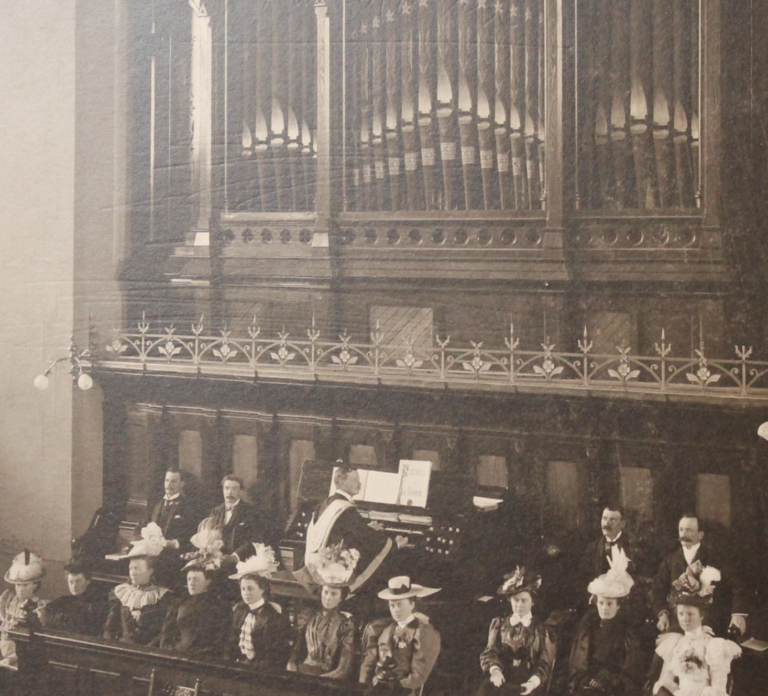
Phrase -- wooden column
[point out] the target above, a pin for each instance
(710, 99)
(554, 57)
(201, 122)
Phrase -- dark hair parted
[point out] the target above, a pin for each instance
(75, 567)
(235, 479)
(262, 582)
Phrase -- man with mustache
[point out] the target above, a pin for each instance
(728, 594)
(594, 562)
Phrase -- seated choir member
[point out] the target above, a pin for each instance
(18, 605)
(400, 653)
(83, 610)
(695, 663)
(137, 609)
(198, 621)
(260, 634)
(605, 655)
(325, 644)
(521, 649)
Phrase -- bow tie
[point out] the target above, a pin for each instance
(229, 508)
(517, 620)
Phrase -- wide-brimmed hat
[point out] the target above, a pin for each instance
(208, 543)
(695, 586)
(335, 566)
(152, 542)
(262, 564)
(520, 580)
(25, 567)
(617, 582)
(401, 587)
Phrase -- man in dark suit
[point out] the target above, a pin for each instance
(336, 520)
(241, 524)
(174, 513)
(594, 562)
(728, 598)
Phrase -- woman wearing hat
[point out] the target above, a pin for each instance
(26, 573)
(137, 608)
(399, 654)
(521, 650)
(696, 663)
(198, 621)
(259, 634)
(325, 644)
(604, 655)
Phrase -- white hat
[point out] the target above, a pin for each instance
(152, 542)
(263, 563)
(335, 566)
(25, 567)
(401, 587)
(617, 582)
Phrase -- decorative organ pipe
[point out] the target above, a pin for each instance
(446, 100)
(637, 88)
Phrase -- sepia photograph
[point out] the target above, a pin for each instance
(384, 348)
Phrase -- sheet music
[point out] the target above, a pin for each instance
(382, 487)
(414, 482)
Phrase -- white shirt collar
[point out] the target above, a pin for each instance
(258, 604)
(612, 541)
(698, 633)
(526, 620)
(690, 554)
(403, 624)
(233, 505)
(172, 497)
(345, 494)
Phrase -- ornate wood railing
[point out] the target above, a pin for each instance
(313, 358)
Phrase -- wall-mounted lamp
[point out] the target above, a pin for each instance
(73, 360)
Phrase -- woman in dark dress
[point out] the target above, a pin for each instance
(137, 609)
(83, 610)
(521, 649)
(260, 634)
(605, 659)
(198, 622)
(325, 644)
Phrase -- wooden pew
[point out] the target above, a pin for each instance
(64, 664)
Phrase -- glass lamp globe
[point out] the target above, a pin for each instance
(41, 382)
(85, 382)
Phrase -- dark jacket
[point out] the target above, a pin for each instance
(519, 651)
(414, 649)
(271, 636)
(122, 625)
(178, 519)
(245, 526)
(325, 644)
(83, 614)
(729, 597)
(196, 625)
(607, 652)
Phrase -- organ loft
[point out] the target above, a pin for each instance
(519, 242)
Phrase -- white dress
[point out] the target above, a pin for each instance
(695, 664)
(11, 613)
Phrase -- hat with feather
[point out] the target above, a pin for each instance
(152, 542)
(520, 580)
(335, 566)
(617, 582)
(25, 567)
(695, 586)
(263, 563)
(208, 543)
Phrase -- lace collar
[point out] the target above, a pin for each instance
(135, 598)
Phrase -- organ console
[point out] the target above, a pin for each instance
(445, 536)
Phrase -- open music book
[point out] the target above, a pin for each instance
(409, 486)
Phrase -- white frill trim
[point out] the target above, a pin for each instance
(713, 691)
(672, 687)
(666, 644)
(720, 652)
(135, 598)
